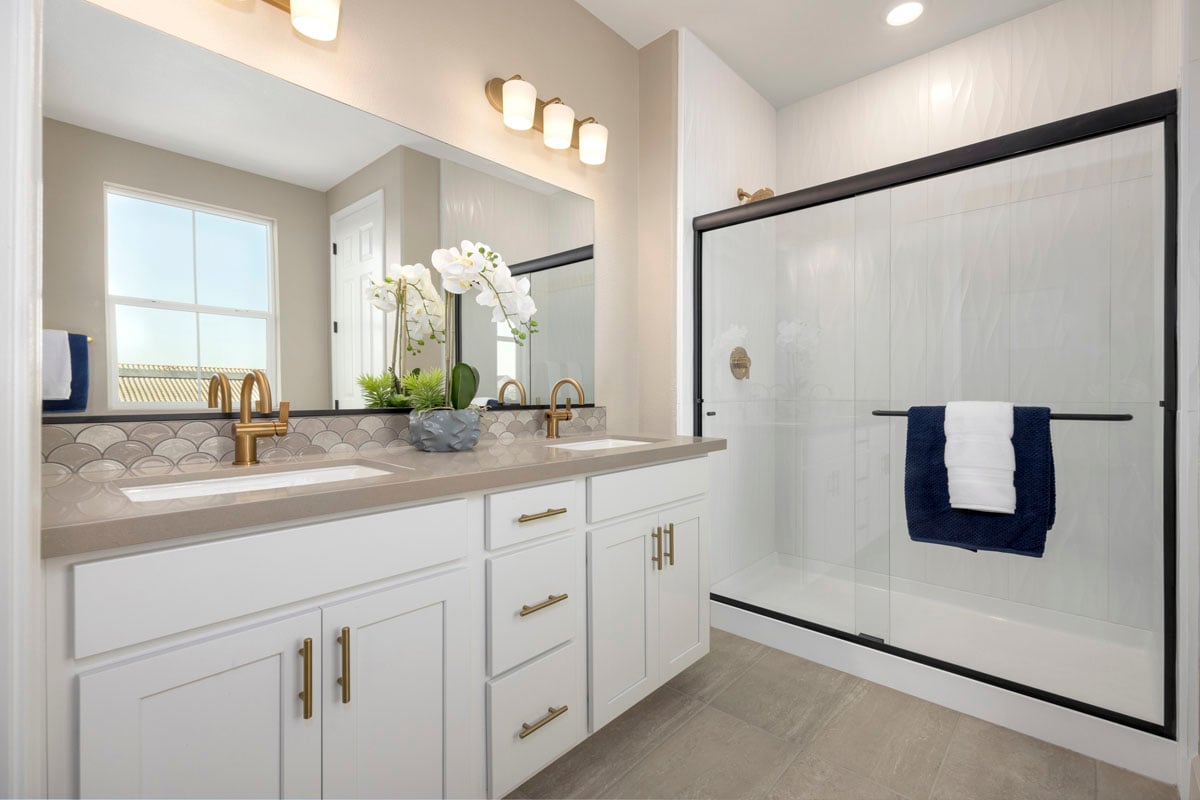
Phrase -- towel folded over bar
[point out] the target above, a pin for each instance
(927, 492)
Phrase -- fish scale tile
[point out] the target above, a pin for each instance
(155, 446)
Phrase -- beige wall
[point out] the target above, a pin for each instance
(424, 66)
(77, 164)
(658, 188)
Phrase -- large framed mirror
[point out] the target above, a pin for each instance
(201, 216)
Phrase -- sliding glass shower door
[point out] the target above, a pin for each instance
(1039, 279)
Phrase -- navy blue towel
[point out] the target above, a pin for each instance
(927, 488)
(77, 343)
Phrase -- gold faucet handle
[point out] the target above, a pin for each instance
(285, 408)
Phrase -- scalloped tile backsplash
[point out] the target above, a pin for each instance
(159, 446)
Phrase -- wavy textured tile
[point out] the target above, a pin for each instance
(1061, 61)
(970, 88)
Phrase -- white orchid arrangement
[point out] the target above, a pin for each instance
(474, 265)
(409, 290)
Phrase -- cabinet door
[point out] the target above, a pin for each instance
(623, 615)
(682, 590)
(401, 730)
(220, 718)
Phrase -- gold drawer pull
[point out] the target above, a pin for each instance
(344, 681)
(554, 713)
(657, 558)
(671, 539)
(307, 694)
(549, 601)
(549, 512)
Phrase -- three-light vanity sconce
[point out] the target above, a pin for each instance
(517, 100)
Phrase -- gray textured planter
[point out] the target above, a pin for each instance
(444, 430)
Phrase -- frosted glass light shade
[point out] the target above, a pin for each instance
(593, 143)
(558, 125)
(316, 19)
(520, 102)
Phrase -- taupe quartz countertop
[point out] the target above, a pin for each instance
(86, 513)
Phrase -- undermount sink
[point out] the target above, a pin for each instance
(600, 444)
(207, 487)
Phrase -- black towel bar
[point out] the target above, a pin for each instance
(1086, 417)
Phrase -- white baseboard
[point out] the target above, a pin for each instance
(1144, 753)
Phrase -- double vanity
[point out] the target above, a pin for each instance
(402, 625)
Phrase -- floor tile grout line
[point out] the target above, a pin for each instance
(734, 678)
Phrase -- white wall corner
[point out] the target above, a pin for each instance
(22, 691)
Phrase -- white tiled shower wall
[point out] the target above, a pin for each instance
(1065, 59)
(727, 140)
(1072, 57)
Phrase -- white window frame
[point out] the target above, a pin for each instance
(111, 301)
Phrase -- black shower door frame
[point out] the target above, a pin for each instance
(1149, 110)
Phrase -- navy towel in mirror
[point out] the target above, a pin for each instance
(78, 344)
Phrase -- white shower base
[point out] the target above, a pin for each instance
(1107, 665)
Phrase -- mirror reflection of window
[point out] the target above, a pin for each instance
(189, 294)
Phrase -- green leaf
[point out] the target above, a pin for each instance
(464, 380)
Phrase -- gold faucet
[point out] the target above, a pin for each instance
(554, 416)
(245, 432)
(218, 389)
(511, 382)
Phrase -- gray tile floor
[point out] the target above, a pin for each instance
(748, 721)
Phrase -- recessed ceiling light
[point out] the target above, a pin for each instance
(904, 13)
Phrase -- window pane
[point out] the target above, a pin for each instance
(232, 262)
(156, 356)
(233, 344)
(149, 250)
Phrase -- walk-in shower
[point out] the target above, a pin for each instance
(1037, 268)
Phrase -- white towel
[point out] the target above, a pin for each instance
(56, 366)
(979, 456)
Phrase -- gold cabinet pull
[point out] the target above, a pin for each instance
(549, 512)
(344, 681)
(671, 540)
(549, 601)
(657, 558)
(307, 693)
(551, 715)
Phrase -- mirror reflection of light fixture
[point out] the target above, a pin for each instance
(316, 19)
(593, 142)
(517, 100)
(519, 103)
(558, 124)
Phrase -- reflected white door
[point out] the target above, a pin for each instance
(359, 329)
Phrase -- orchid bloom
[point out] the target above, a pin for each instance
(474, 265)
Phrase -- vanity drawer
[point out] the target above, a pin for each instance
(532, 602)
(526, 698)
(620, 493)
(548, 509)
(131, 599)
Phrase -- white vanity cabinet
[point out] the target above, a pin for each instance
(647, 582)
(220, 717)
(395, 717)
(451, 649)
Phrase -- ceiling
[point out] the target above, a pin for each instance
(792, 49)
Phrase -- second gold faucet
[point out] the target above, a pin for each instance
(553, 415)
